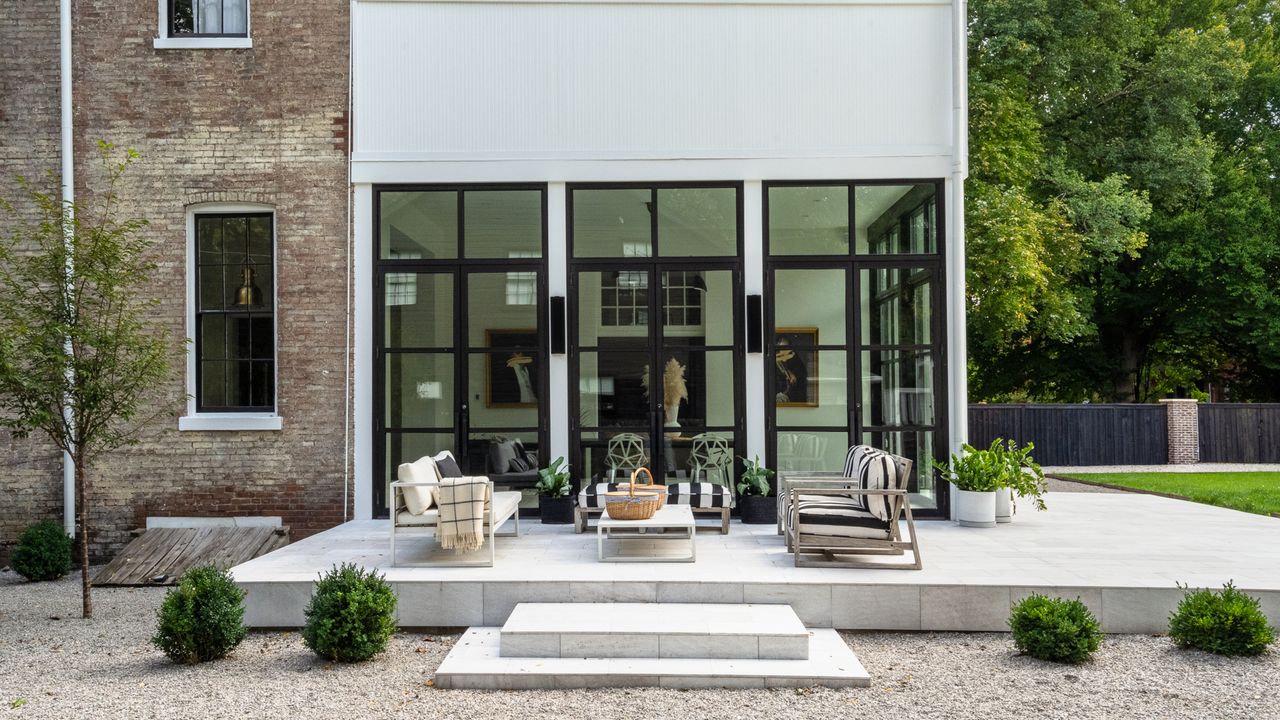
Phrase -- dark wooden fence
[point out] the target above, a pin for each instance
(1077, 434)
(1239, 432)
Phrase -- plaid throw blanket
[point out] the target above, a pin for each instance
(462, 504)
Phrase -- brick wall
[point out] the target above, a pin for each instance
(1184, 431)
(30, 470)
(268, 125)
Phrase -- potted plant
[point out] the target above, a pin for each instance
(1023, 479)
(976, 475)
(555, 498)
(755, 505)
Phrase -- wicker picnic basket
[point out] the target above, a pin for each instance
(633, 505)
(651, 487)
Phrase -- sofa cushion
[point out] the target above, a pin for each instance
(446, 465)
(872, 469)
(404, 518)
(839, 516)
(699, 495)
(592, 496)
(418, 499)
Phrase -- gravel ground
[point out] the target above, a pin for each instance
(106, 668)
(1060, 485)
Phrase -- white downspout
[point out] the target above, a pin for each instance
(351, 238)
(956, 306)
(68, 197)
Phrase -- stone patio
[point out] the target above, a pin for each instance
(1123, 554)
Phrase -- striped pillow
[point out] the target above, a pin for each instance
(872, 469)
(592, 496)
(699, 495)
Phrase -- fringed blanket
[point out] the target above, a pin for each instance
(462, 503)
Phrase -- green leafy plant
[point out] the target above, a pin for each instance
(1229, 622)
(1003, 465)
(43, 552)
(754, 480)
(203, 618)
(1024, 476)
(1055, 629)
(351, 615)
(553, 480)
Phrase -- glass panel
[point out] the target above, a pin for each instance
(897, 387)
(809, 220)
(613, 389)
(213, 384)
(262, 384)
(239, 329)
(698, 305)
(261, 345)
(809, 305)
(916, 446)
(213, 337)
(627, 448)
(612, 223)
(697, 389)
(694, 453)
(810, 451)
(896, 306)
(811, 387)
(492, 321)
(502, 223)
(418, 225)
(503, 389)
(419, 310)
(260, 240)
(698, 221)
(419, 390)
(239, 383)
(896, 218)
(235, 239)
(407, 447)
(613, 308)
(209, 238)
(211, 287)
(481, 461)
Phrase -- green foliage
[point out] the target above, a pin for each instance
(1229, 622)
(553, 481)
(202, 619)
(351, 615)
(43, 552)
(1003, 465)
(754, 480)
(1055, 629)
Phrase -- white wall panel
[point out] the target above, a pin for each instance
(529, 81)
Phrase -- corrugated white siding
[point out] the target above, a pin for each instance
(552, 82)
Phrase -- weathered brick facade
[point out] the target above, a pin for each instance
(1184, 430)
(264, 125)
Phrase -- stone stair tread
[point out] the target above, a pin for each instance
(753, 619)
(475, 662)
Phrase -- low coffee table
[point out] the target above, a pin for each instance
(641, 541)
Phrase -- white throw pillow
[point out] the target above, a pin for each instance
(420, 498)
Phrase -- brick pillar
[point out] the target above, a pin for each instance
(1184, 430)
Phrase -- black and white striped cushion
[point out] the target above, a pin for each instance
(839, 516)
(699, 495)
(873, 469)
(592, 496)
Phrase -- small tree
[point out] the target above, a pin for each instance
(78, 362)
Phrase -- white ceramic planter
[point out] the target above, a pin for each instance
(976, 509)
(1004, 505)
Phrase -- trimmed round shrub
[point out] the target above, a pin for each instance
(351, 615)
(1055, 629)
(1226, 623)
(201, 619)
(43, 552)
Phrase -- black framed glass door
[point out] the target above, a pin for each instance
(854, 326)
(460, 359)
(656, 357)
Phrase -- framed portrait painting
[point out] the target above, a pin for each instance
(511, 376)
(796, 367)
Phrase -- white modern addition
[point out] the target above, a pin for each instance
(599, 226)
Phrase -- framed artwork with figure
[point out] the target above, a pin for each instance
(795, 364)
(511, 376)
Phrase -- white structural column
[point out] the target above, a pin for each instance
(363, 350)
(753, 284)
(558, 284)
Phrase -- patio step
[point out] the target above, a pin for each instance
(475, 663)
(654, 630)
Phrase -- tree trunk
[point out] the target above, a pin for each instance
(82, 527)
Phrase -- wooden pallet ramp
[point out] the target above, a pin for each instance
(161, 555)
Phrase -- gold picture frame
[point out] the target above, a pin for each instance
(796, 378)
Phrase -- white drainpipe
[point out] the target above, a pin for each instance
(68, 197)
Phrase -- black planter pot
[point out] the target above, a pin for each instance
(556, 511)
(756, 510)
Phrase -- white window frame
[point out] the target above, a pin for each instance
(229, 421)
(163, 41)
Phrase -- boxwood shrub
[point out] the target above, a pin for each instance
(351, 615)
(1055, 629)
(43, 552)
(201, 619)
(1229, 622)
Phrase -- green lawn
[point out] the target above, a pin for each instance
(1255, 492)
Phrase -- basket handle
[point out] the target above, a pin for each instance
(634, 473)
